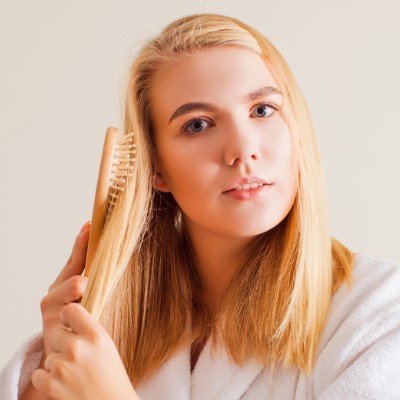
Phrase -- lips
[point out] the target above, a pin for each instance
(247, 183)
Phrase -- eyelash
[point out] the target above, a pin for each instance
(184, 128)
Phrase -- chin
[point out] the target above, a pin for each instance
(249, 231)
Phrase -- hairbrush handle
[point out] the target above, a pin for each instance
(100, 200)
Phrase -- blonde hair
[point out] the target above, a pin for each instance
(144, 286)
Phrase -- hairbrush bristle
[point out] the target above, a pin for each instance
(116, 168)
(125, 157)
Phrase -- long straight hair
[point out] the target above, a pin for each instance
(144, 286)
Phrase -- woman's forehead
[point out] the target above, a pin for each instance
(216, 75)
(214, 63)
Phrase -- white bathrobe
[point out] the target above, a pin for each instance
(358, 355)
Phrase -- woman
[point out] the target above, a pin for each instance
(227, 284)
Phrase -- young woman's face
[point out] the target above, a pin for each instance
(223, 146)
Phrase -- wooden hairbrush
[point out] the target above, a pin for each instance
(116, 166)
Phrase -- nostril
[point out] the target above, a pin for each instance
(233, 160)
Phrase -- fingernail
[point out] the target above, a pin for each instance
(85, 226)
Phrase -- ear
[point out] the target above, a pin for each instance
(159, 183)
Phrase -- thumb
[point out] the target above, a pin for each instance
(76, 262)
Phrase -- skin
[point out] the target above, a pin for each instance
(77, 349)
(196, 168)
(240, 138)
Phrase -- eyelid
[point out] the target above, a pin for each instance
(185, 125)
(263, 103)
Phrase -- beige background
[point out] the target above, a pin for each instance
(62, 64)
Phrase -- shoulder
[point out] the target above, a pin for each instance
(375, 269)
(370, 272)
(372, 297)
(375, 286)
(360, 346)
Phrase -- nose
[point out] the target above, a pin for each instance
(241, 146)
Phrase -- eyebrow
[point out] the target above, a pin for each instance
(189, 107)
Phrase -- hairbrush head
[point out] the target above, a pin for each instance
(116, 167)
(125, 157)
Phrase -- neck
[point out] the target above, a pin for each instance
(218, 258)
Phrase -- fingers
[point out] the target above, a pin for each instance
(78, 323)
(76, 263)
(47, 387)
(79, 320)
(72, 290)
(51, 361)
(78, 255)
(62, 340)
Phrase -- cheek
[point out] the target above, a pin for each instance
(280, 151)
(183, 167)
(290, 179)
(278, 147)
(193, 176)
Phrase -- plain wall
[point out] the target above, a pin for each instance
(62, 67)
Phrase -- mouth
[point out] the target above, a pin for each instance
(247, 183)
(248, 186)
(248, 191)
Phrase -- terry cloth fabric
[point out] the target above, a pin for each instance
(358, 355)
(16, 374)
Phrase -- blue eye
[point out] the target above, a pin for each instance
(197, 125)
(260, 110)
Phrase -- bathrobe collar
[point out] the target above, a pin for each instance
(214, 377)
